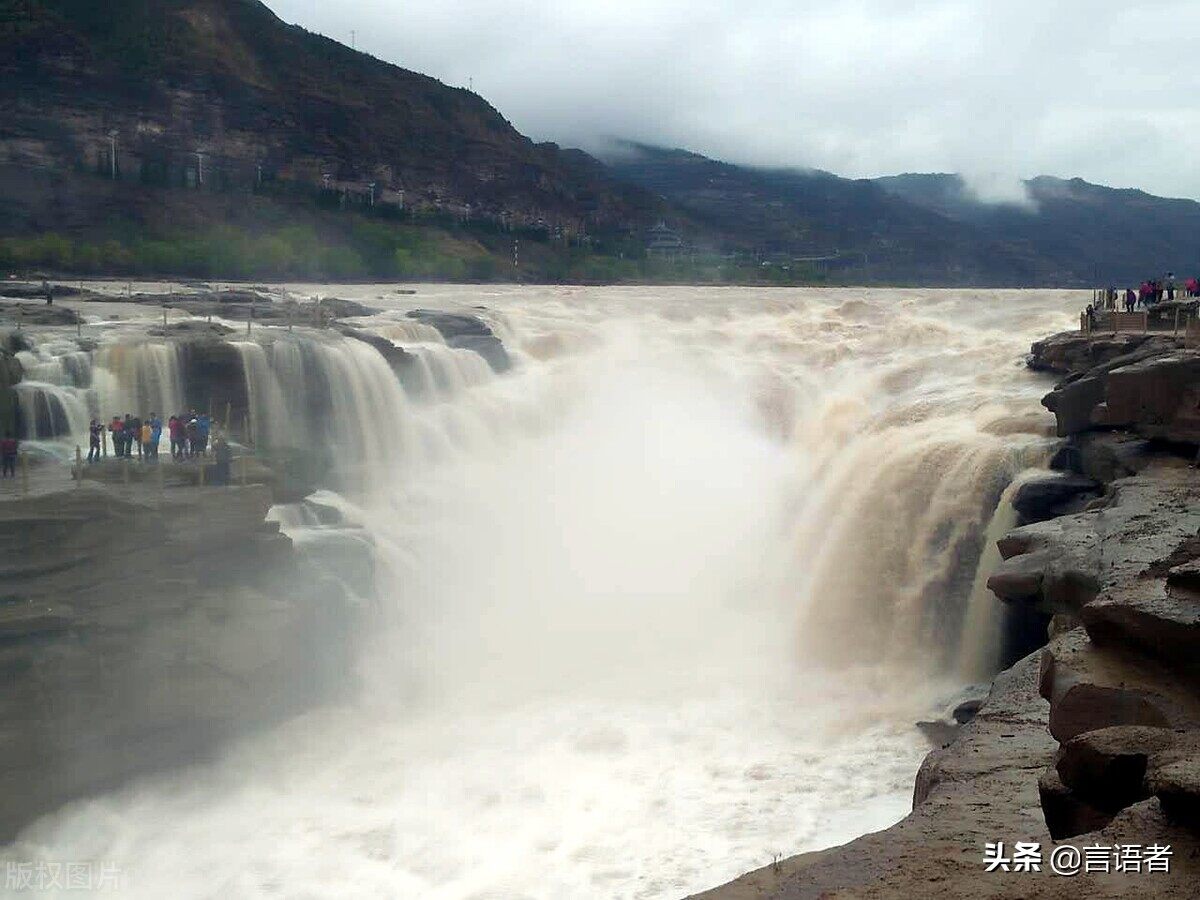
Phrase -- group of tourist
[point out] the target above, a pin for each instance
(1148, 293)
(189, 434)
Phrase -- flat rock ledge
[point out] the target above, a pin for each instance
(1094, 739)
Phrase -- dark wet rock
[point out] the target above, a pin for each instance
(28, 314)
(1019, 578)
(1103, 456)
(345, 309)
(1072, 351)
(466, 332)
(192, 328)
(1157, 397)
(938, 733)
(967, 710)
(1174, 778)
(1051, 496)
(1107, 768)
(35, 290)
(1066, 814)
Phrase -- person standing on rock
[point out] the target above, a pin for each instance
(192, 429)
(48, 291)
(135, 435)
(175, 427)
(145, 435)
(95, 433)
(8, 456)
(203, 428)
(115, 428)
(156, 427)
(224, 455)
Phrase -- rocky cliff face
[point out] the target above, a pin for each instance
(1095, 739)
(142, 625)
(266, 100)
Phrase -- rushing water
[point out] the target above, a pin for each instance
(655, 606)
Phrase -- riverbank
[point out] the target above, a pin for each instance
(1093, 740)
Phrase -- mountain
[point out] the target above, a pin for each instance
(926, 229)
(224, 93)
(210, 138)
(1105, 235)
(854, 226)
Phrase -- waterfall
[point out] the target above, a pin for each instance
(979, 648)
(662, 600)
(138, 378)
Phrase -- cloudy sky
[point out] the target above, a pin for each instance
(995, 89)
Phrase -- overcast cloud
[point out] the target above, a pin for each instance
(996, 89)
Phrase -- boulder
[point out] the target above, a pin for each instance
(1157, 397)
(38, 314)
(1050, 496)
(938, 733)
(1073, 351)
(1102, 456)
(1153, 621)
(1092, 687)
(1019, 579)
(345, 309)
(967, 710)
(1174, 778)
(1066, 814)
(1083, 401)
(1107, 768)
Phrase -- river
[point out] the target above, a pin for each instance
(655, 606)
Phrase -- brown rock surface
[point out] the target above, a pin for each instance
(141, 627)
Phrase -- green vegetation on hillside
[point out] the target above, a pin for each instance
(366, 249)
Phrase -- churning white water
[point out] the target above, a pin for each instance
(654, 607)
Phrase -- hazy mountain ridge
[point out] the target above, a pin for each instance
(221, 94)
(929, 227)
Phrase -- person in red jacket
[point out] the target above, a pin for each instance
(117, 427)
(8, 456)
(175, 430)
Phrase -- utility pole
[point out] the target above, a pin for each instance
(112, 152)
(353, 39)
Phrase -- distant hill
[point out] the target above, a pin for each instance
(1102, 234)
(926, 228)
